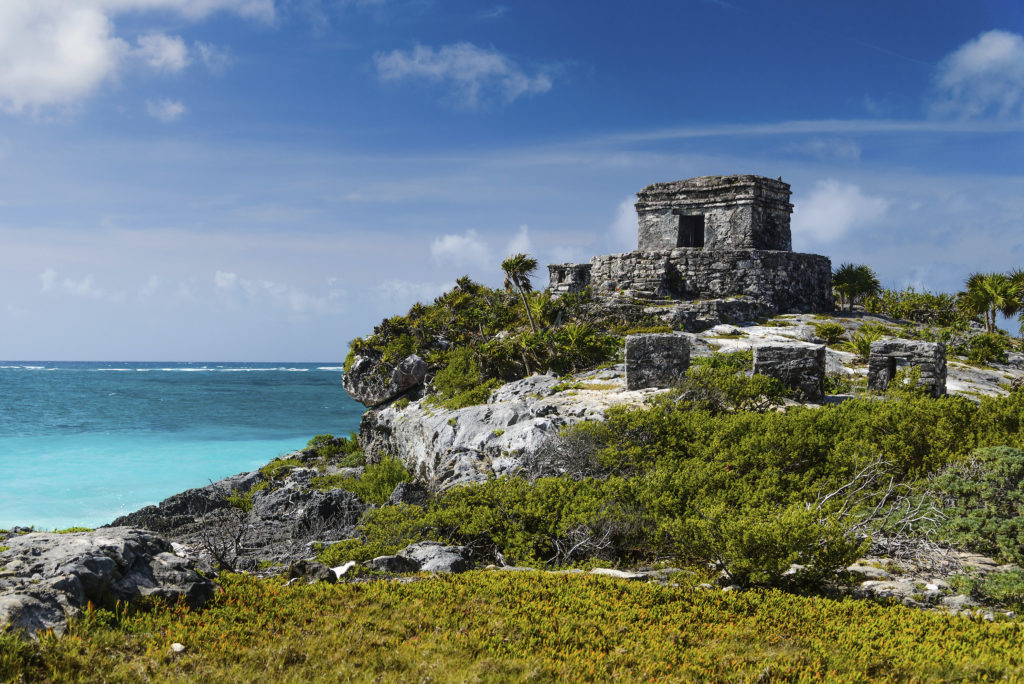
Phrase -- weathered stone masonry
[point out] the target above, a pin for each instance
(710, 238)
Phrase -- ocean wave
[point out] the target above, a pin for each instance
(330, 368)
(118, 370)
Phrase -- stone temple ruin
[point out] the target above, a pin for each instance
(720, 247)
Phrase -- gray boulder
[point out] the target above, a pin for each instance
(312, 570)
(372, 382)
(393, 564)
(413, 493)
(49, 577)
(436, 557)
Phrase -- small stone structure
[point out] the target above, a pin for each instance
(656, 360)
(712, 238)
(715, 212)
(888, 357)
(800, 367)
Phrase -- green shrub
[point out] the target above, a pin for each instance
(374, 485)
(382, 532)
(757, 545)
(838, 383)
(239, 500)
(921, 307)
(832, 333)
(279, 468)
(722, 382)
(984, 502)
(988, 348)
(860, 341)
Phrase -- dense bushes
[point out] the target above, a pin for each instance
(751, 493)
(937, 309)
(473, 335)
(984, 502)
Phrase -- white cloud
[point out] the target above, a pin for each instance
(984, 76)
(85, 287)
(163, 52)
(622, 235)
(520, 242)
(49, 279)
(461, 250)
(57, 52)
(832, 208)
(216, 59)
(277, 295)
(151, 286)
(474, 74)
(165, 110)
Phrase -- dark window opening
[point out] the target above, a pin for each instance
(691, 231)
(891, 369)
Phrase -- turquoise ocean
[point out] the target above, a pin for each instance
(84, 442)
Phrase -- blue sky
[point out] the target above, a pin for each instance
(266, 179)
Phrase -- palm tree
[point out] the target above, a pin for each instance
(518, 268)
(1017, 282)
(854, 282)
(991, 294)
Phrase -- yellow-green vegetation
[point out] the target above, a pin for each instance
(241, 501)
(69, 530)
(279, 468)
(374, 485)
(492, 626)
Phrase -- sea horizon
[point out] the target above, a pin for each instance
(87, 441)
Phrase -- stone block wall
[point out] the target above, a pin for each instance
(800, 367)
(656, 360)
(568, 278)
(786, 281)
(889, 357)
(739, 212)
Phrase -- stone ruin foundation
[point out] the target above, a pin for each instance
(889, 357)
(799, 367)
(656, 360)
(717, 246)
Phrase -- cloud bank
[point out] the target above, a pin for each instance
(983, 77)
(55, 52)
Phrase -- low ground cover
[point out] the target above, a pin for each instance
(497, 626)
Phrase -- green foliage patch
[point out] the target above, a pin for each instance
(374, 485)
(494, 626)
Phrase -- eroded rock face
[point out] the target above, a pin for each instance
(284, 517)
(45, 578)
(507, 435)
(372, 383)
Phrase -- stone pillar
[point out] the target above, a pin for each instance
(889, 357)
(800, 367)
(656, 360)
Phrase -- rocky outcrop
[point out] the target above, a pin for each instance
(505, 436)
(427, 556)
(46, 578)
(235, 524)
(372, 382)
